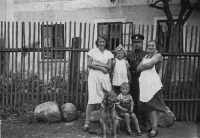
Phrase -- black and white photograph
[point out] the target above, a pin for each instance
(99, 68)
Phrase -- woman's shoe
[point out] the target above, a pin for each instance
(154, 129)
(85, 128)
(129, 132)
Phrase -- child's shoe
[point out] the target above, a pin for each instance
(139, 133)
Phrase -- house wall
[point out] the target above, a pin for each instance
(3, 10)
(84, 11)
(87, 10)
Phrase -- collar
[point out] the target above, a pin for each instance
(137, 51)
(97, 49)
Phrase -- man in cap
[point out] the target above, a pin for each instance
(134, 58)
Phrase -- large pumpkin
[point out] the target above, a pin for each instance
(69, 112)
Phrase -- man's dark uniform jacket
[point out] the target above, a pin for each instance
(134, 59)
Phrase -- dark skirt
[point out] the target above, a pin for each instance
(156, 103)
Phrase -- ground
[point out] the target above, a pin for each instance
(73, 130)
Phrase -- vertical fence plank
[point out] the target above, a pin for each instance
(28, 72)
(188, 77)
(174, 87)
(12, 65)
(52, 81)
(147, 36)
(129, 33)
(8, 94)
(4, 64)
(194, 104)
(69, 66)
(84, 71)
(152, 28)
(139, 29)
(38, 67)
(55, 60)
(93, 36)
(33, 69)
(143, 29)
(165, 39)
(78, 68)
(64, 69)
(184, 77)
(16, 71)
(43, 98)
(60, 56)
(73, 64)
(197, 80)
(111, 42)
(23, 60)
(47, 60)
(125, 35)
(84, 44)
(178, 85)
(1, 66)
(21, 67)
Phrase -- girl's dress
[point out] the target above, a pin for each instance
(120, 72)
(124, 102)
(150, 89)
(97, 80)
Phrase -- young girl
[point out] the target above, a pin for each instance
(125, 108)
(120, 69)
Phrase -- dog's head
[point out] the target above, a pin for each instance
(110, 97)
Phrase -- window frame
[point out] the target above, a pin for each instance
(52, 41)
(164, 18)
(122, 20)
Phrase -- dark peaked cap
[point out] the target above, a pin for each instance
(137, 37)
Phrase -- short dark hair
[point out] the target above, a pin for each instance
(125, 84)
(105, 38)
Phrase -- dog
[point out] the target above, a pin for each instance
(108, 118)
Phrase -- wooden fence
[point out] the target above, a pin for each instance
(46, 61)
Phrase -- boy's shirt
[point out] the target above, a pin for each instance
(123, 98)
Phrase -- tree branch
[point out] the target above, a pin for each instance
(184, 6)
(157, 7)
(191, 9)
(168, 12)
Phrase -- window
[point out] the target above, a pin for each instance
(113, 31)
(53, 37)
(164, 35)
(112, 28)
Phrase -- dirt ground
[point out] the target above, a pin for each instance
(73, 130)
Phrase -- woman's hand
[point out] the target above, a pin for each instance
(140, 68)
(125, 110)
(105, 71)
(95, 63)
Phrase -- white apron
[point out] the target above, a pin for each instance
(149, 82)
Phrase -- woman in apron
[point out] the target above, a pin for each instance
(150, 86)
